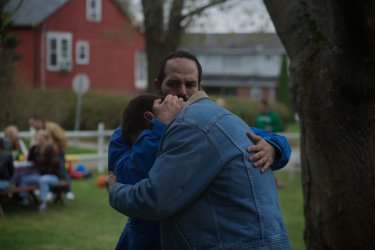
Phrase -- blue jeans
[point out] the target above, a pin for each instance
(4, 184)
(27, 180)
(45, 181)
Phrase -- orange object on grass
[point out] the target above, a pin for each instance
(101, 180)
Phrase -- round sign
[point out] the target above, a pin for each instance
(81, 83)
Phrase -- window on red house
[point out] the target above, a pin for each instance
(94, 10)
(59, 51)
(82, 52)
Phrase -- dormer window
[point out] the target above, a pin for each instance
(94, 10)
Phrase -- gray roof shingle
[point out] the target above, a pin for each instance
(32, 12)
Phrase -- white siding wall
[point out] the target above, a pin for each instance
(241, 65)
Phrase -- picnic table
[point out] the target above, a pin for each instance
(27, 167)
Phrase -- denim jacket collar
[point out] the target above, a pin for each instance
(196, 96)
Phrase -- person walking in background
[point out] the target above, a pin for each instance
(268, 120)
(275, 152)
(58, 136)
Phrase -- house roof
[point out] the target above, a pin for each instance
(32, 12)
(239, 42)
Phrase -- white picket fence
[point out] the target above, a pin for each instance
(99, 141)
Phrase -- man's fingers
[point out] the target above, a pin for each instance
(257, 156)
(157, 102)
(265, 167)
(181, 102)
(252, 148)
(253, 137)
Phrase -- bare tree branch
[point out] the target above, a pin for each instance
(175, 29)
(202, 8)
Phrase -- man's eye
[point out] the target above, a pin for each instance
(173, 84)
(191, 84)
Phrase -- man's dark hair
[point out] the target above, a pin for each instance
(264, 102)
(133, 120)
(178, 54)
(36, 117)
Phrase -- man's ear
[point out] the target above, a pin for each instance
(148, 116)
(157, 84)
(200, 87)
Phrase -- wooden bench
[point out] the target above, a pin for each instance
(57, 189)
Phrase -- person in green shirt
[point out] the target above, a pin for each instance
(266, 118)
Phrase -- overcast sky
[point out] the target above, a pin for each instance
(243, 16)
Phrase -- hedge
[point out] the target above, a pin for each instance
(60, 106)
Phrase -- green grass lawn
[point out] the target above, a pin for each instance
(291, 203)
(78, 150)
(88, 222)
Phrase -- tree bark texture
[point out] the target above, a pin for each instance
(331, 44)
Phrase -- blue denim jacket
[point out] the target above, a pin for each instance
(202, 187)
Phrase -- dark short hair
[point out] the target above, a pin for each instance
(132, 116)
(36, 117)
(264, 102)
(178, 54)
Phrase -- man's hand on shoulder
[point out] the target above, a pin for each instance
(167, 110)
(263, 153)
(110, 181)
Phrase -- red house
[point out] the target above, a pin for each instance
(62, 38)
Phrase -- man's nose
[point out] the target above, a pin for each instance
(182, 90)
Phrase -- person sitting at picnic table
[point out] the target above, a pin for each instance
(6, 169)
(13, 144)
(44, 156)
(60, 140)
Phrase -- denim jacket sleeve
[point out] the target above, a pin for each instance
(176, 178)
(131, 163)
(281, 145)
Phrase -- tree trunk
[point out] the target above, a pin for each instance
(162, 38)
(159, 40)
(331, 47)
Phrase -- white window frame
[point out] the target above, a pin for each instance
(255, 93)
(94, 14)
(140, 70)
(85, 46)
(63, 55)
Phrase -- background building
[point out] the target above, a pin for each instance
(62, 38)
(242, 64)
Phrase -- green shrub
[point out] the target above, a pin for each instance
(246, 109)
(60, 106)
